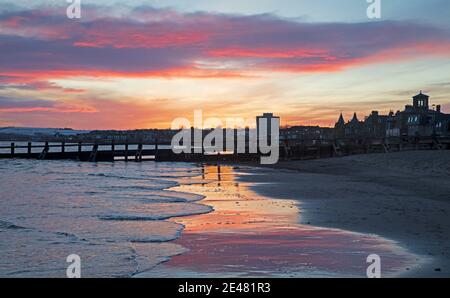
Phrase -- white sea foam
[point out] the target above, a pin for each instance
(112, 215)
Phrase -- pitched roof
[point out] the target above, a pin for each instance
(420, 95)
(341, 120)
(354, 119)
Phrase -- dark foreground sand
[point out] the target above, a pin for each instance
(400, 196)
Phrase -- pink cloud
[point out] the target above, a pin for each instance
(40, 46)
(165, 43)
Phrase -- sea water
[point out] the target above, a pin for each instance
(99, 211)
(149, 219)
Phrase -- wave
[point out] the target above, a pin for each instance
(187, 196)
(6, 225)
(153, 239)
(160, 196)
(160, 186)
(144, 216)
(147, 177)
(102, 211)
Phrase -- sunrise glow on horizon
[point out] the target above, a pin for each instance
(143, 64)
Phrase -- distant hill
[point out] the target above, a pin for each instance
(32, 131)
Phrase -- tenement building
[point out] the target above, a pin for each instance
(416, 120)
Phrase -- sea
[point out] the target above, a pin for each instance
(166, 219)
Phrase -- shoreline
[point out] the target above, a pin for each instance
(398, 196)
(265, 233)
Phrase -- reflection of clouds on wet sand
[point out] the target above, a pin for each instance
(251, 235)
(236, 207)
(281, 252)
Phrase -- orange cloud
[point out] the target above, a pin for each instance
(165, 43)
(270, 53)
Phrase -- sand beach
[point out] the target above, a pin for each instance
(402, 196)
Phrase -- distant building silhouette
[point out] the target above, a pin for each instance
(351, 129)
(268, 117)
(299, 134)
(417, 120)
(375, 125)
(339, 127)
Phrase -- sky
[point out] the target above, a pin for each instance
(144, 63)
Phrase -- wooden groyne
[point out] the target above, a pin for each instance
(112, 151)
(313, 149)
(289, 150)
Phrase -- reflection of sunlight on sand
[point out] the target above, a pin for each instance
(251, 235)
(236, 207)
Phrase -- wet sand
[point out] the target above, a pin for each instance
(253, 235)
(400, 196)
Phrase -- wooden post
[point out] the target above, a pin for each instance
(156, 149)
(63, 147)
(29, 149)
(126, 151)
(319, 149)
(192, 150)
(247, 140)
(138, 156)
(93, 156)
(13, 147)
(235, 142)
(79, 150)
(113, 149)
